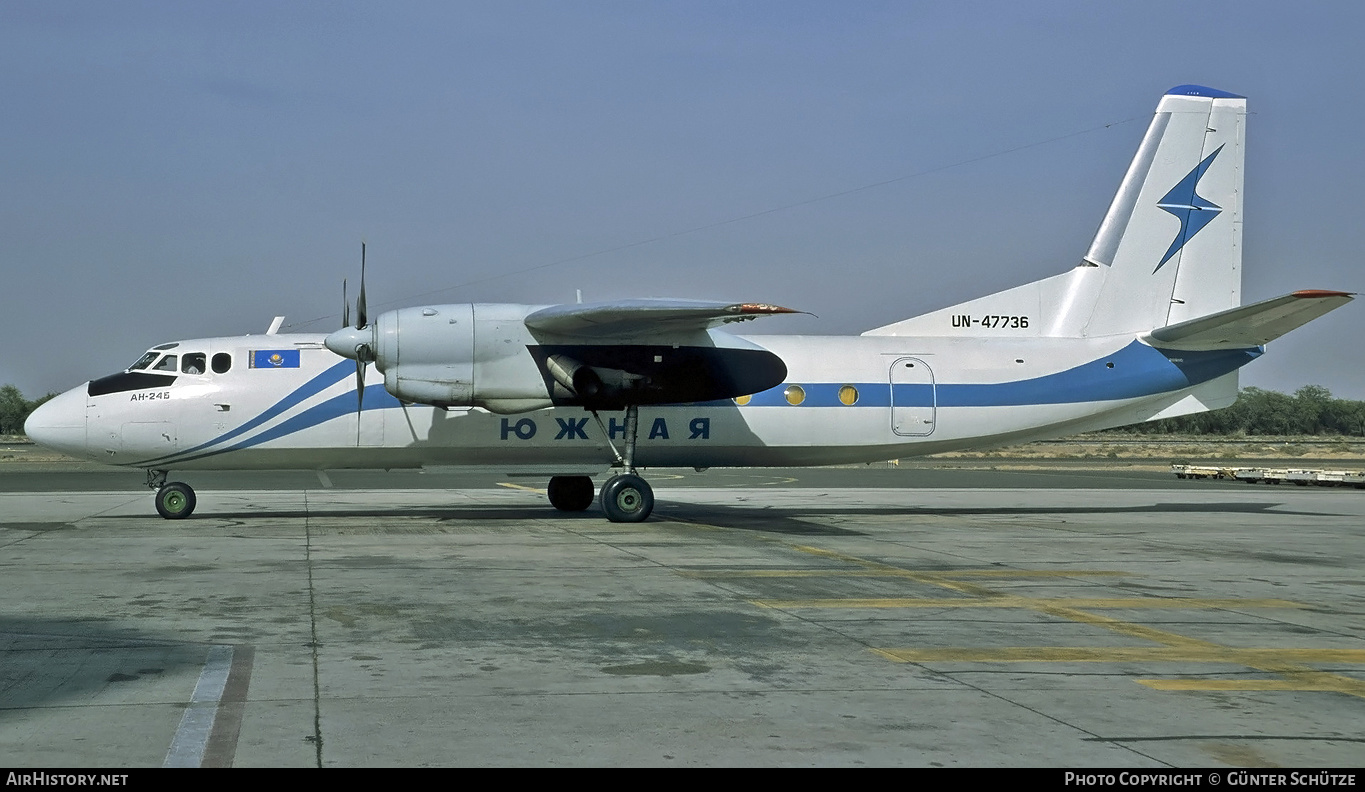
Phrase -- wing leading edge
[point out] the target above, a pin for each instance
(631, 319)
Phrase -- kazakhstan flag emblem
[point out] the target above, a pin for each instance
(275, 358)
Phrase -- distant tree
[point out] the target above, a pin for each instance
(14, 409)
(1310, 411)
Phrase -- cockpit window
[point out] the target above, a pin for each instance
(194, 363)
(167, 363)
(221, 363)
(144, 361)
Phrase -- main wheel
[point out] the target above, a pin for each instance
(570, 493)
(175, 501)
(627, 498)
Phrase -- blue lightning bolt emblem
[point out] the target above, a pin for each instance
(1184, 202)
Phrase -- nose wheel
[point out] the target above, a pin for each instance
(174, 501)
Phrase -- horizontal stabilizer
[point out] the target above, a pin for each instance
(1248, 325)
(642, 317)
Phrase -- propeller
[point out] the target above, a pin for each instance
(355, 342)
(360, 322)
(363, 353)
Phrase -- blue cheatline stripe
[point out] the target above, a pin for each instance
(376, 398)
(321, 382)
(1138, 370)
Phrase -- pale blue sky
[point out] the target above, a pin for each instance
(176, 170)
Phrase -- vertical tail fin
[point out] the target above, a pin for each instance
(1172, 238)
(1169, 248)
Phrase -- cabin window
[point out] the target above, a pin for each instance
(144, 361)
(743, 400)
(795, 394)
(167, 363)
(221, 363)
(848, 395)
(194, 363)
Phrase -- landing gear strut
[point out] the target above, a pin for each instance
(174, 501)
(626, 497)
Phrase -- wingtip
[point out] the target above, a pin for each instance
(1320, 293)
(761, 309)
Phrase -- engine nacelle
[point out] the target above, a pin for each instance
(460, 356)
(483, 355)
(427, 354)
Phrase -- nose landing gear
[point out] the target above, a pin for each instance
(174, 501)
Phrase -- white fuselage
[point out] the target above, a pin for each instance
(861, 399)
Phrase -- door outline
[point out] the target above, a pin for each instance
(912, 418)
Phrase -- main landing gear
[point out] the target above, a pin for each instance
(570, 493)
(626, 497)
(174, 501)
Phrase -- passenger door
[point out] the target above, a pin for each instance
(914, 398)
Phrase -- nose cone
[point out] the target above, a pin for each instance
(344, 341)
(59, 423)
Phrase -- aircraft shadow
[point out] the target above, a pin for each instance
(803, 520)
(794, 520)
(49, 660)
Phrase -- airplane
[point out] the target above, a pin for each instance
(1148, 325)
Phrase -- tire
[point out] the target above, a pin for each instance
(627, 498)
(175, 501)
(571, 493)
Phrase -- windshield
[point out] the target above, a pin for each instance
(144, 361)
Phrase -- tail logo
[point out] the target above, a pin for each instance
(1184, 202)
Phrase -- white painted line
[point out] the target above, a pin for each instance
(187, 747)
(324, 479)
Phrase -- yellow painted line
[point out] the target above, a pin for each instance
(1035, 603)
(1028, 573)
(781, 573)
(900, 573)
(510, 485)
(1124, 628)
(1286, 662)
(1337, 684)
(965, 588)
(1123, 654)
(692, 523)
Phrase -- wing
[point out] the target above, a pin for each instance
(632, 319)
(606, 355)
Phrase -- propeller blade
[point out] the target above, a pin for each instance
(345, 306)
(359, 391)
(360, 318)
